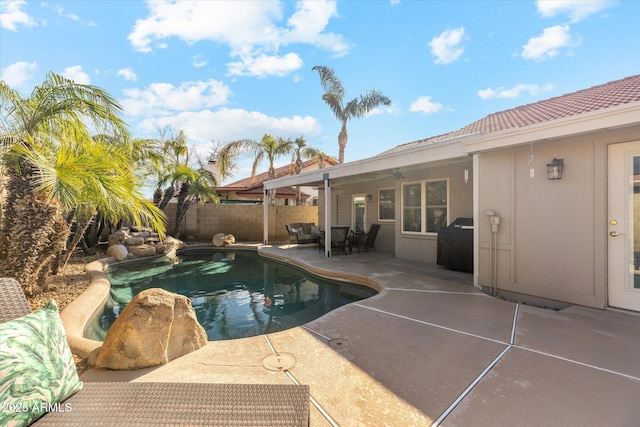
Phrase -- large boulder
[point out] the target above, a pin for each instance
(155, 327)
(218, 240)
(221, 239)
(118, 251)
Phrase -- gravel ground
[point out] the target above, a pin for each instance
(66, 286)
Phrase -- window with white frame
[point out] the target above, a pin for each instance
(386, 204)
(425, 206)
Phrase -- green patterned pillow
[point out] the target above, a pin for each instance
(37, 370)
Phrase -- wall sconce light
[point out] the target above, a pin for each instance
(369, 198)
(555, 168)
(397, 174)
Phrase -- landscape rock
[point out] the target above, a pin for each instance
(142, 250)
(173, 244)
(155, 327)
(229, 239)
(143, 234)
(118, 251)
(119, 237)
(161, 248)
(134, 241)
(218, 240)
(113, 240)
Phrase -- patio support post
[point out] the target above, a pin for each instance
(327, 215)
(265, 218)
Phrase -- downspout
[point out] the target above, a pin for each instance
(494, 220)
(476, 218)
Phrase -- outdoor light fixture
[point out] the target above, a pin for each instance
(554, 169)
(369, 198)
(397, 174)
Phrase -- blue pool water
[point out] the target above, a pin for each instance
(235, 294)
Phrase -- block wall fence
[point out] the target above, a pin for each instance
(243, 221)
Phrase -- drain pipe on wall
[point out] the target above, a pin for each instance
(494, 220)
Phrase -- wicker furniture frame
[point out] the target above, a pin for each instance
(168, 404)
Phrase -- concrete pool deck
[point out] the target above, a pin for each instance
(431, 349)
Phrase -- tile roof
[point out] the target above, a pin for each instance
(256, 182)
(595, 98)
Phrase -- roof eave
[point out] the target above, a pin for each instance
(608, 118)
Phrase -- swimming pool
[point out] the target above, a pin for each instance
(236, 294)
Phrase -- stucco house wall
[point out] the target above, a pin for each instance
(424, 247)
(551, 241)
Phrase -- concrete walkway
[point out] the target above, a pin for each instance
(430, 349)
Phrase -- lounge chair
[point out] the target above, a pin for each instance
(302, 233)
(338, 240)
(140, 403)
(366, 241)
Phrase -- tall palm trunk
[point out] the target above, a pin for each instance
(82, 224)
(35, 232)
(168, 195)
(182, 207)
(342, 141)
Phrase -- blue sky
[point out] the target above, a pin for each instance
(221, 71)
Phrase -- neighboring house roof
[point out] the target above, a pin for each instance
(254, 185)
(595, 98)
(257, 180)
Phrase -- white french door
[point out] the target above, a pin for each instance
(624, 225)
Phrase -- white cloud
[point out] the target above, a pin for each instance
(447, 47)
(76, 74)
(60, 11)
(253, 32)
(162, 98)
(424, 105)
(577, 10)
(308, 23)
(128, 74)
(227, 124)
(263, 65)
(514, 92)
(198, 61)
(548, 44)
(16, 75)
(11, 15)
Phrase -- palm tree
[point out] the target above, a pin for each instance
(301, 150)
(56, 171)
(173, 170)
(144, 154)
(268, 147)
(195, 185)
(358, 107)
(321, 157)
(173, 148)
